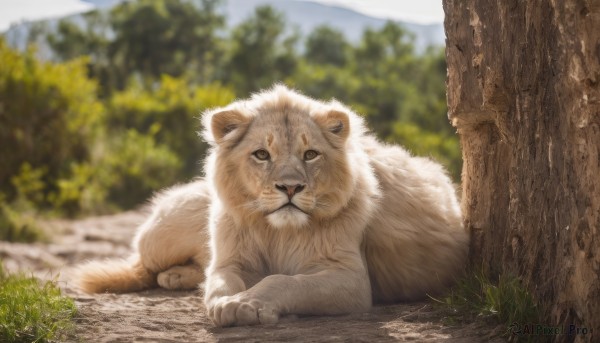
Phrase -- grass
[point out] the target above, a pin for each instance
(32, 310)
(504, 302)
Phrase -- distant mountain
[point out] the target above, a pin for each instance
(103, 3)
(305, 15)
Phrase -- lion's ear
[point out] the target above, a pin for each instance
(226, 125)
(335, 123)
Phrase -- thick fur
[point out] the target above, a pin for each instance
(304, 213)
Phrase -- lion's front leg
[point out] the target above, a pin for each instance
(328, 292)
(227, 302)
(221, 284)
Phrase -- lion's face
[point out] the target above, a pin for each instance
(282, 162)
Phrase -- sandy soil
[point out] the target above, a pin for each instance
(166, 316)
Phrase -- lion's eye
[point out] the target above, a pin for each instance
(262, 154)
(310, 155)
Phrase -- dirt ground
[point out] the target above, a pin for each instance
(165, 316)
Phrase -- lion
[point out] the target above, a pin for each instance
(300, 212)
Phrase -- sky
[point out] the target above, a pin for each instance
(14, 11)
(422, 11)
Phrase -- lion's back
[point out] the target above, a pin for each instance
(415, 242)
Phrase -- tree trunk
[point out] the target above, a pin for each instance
(524, 94)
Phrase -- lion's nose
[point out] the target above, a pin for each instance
(290, 190)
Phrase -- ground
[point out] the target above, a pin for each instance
(165, 316)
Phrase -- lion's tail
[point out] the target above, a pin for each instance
(114, 276)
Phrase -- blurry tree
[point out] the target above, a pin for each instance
(60, 149)
(48, 115)
(261, 53)
(385, 62)
(401, 93)
(326, 45)
(165, 37)
(392, 41)
(429, 79)
(90, 38)
(72, 40)
(144, 38)
(326, 82)
(161, 63)
(36, 32)
(133, 167)
(170, 114)
(423, 126)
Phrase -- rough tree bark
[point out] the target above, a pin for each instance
(524, 95)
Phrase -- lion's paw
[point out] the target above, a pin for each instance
(180, 277)
(241, 309)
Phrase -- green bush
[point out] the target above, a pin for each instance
(136, 167)
(18, 227)
(126, 172)
(32, 310)
(18, 221)
(29, 186)
(170, 114)
(49, 115)
(62, 152)
(64, 148)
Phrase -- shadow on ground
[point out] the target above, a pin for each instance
(165, 316)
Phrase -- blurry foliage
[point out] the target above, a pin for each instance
(402, 94)
(115, 117)
(16, 226)
(169, 113)
(65, 151)
(165, 37)
(145, 38)
(261, 52)
(137, 166)
(72, 40)
(327, 46)
(49, 114)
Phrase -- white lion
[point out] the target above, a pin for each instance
(300, 212)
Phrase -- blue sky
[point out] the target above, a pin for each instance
(422, 11)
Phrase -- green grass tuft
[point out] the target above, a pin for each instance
(504, 302)
(32, 310)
